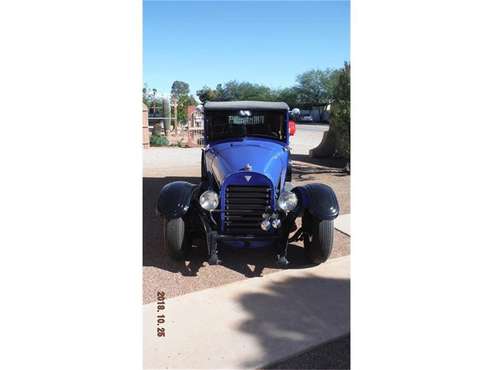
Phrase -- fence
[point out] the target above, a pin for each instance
(192, 132)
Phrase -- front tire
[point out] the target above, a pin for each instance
(176, 240)
(318, 239)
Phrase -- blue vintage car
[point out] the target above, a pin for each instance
(245, 198)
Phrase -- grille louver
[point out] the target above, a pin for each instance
(244, 207)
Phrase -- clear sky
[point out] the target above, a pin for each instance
(206, 43)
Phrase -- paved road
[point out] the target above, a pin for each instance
(159, 162)
(252, 323)
(307, 137)
(330, 355)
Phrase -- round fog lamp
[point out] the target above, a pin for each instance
(265, 225)
(287, 201)
(209, 200)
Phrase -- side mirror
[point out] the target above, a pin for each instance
(292, 127)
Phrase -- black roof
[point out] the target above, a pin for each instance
(245, 104)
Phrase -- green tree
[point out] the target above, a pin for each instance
(331, 82)
(316, 87)
(183, 102)
(289, 95)
(206, 94)
(220, 92)
(234, 90)
(179, 92)
(341, 112)
(148, 95)
(179, 88)
(312, 87)
(152, 98)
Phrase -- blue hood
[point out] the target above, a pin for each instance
(265, 157)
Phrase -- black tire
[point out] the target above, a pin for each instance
(318, 243)
(176, 240)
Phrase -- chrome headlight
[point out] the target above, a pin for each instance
(287, 201)
(209, 200)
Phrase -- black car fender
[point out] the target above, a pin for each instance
(175, 199)
(319, 199)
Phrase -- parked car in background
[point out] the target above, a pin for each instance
(305, 118)
(245, 198)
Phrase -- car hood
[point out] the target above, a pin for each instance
(267, 158)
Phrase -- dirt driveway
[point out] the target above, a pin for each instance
(177, 278)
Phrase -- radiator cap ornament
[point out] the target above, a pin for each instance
(248, 167)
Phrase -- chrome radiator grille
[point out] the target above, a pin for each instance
(244, 206)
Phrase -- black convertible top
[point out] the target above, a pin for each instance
(245, 104)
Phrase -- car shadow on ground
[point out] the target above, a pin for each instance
(240, 260)
(309, 308)
(304, 165)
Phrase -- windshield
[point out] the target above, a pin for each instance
(240, 123)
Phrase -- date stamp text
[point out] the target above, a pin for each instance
(161, 305)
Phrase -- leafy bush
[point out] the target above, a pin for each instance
(158, 140)
(341, 113)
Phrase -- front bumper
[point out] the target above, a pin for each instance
(211, 229)
(277, 239)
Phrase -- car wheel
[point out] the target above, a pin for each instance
(318, 238)
(176, 240)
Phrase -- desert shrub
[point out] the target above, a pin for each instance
(158, 140)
